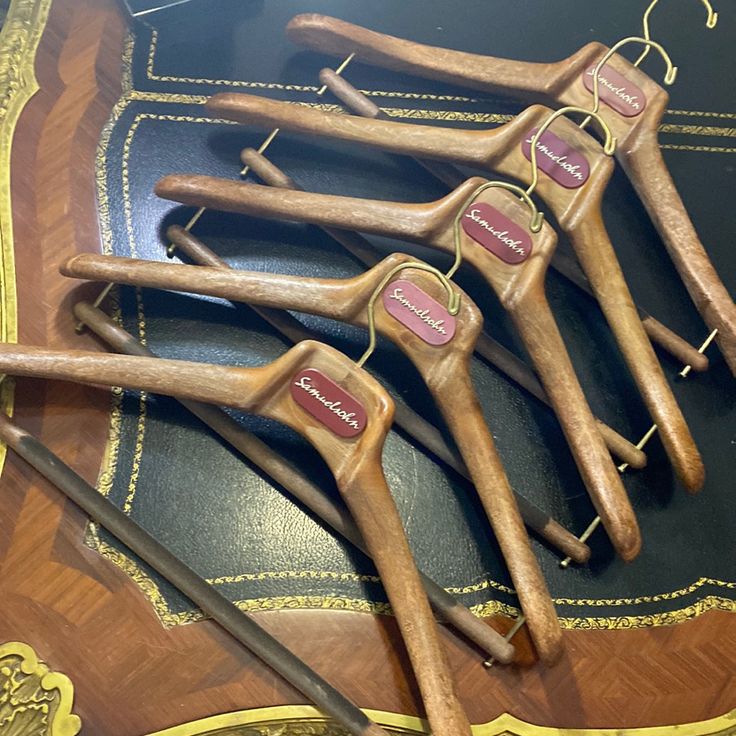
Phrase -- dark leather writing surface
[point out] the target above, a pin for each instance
(227, 520)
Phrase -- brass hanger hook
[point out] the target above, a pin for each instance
(453, 300)
(535, 224)
(710, 23)
(669, 77)
(609, 146)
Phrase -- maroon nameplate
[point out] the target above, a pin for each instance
(616, 91)
(558, 159)
(496, 233)
(418, 311)
(331, 405)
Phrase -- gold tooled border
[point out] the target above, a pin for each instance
(286, 720)
(288, 87)
(65, 723)
(19, 39)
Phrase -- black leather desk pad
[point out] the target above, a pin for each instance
(227, 520)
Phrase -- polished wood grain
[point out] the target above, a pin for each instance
(88, 619)
(489, 349)
(404, 416)
(559, 82)
(355, 463)
(444, 368)
(447, 607)
(360, 104)
(578, 212)
(519, 288)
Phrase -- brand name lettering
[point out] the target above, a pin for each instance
(424, 314)
(503, 235)
(559, 159)
(305, 383)
(619, 90)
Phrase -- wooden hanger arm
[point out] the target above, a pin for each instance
(392, 219)
(649, 175)
(471, 147)
(538, 329)
(369, 499)
(359, 104)
(298, 485)
(405, 418)
(592, 245)
(681, 350)
(336, 37)
(456, 397)
(332, 298)
(214, 384)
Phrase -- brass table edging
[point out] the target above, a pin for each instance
(19, 39)
(303, 720)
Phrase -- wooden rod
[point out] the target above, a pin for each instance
(198, 590)
(487, 347)
(298, 485)
(408, 420)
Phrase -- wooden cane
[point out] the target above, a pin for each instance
(440, 345)
(290, 390)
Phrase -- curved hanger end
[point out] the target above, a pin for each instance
(671, 76)
(453, 306)
(712, 20)
(537, 222)
(610, 146)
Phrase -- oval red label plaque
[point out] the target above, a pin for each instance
(328, 403)
(418, 311)
(616, 91)
(558, 159)
(496, 233)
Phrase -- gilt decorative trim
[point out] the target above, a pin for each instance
(33, 700)
(19, 39)
(302, 720)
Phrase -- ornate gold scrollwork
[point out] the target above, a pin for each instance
(33, 700)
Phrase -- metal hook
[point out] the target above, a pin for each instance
(609, 146)
(669, 77)
(535, 224)
(710, 23)
(453, 300)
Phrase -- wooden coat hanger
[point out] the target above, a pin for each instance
(487, 348)
(447, 607)
(440, 344)
(292, 390)
(359, 104)
(411, 423)
(576, 205)
(519, 286)
(634, 120)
